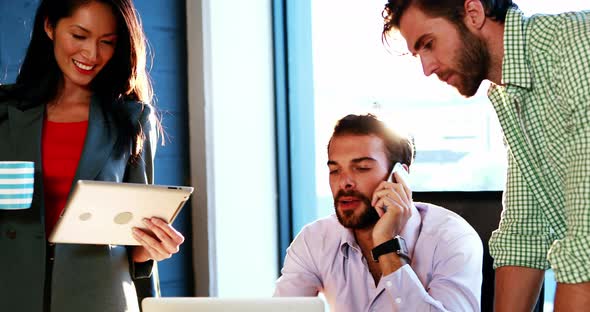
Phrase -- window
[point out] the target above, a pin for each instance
(458, 140)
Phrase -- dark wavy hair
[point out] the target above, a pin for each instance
(398, 148)
(124, 78)
(453, 10)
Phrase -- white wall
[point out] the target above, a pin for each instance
(232, 147)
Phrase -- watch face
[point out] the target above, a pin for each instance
(402, 248)
(402, 244)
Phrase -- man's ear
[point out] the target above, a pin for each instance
(475, 15)
(406, 167)
(48, 29)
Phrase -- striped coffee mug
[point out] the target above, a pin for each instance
(16, 184)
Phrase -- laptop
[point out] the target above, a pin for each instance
(104, 213)
(210, 304)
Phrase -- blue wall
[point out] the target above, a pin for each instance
(16, 23)
(165, 26)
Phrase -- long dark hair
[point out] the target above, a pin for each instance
(124, 78)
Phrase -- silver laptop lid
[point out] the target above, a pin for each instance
(209, 304)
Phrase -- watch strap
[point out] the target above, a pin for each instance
(396, 245)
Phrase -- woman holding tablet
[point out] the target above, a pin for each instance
(80, 110)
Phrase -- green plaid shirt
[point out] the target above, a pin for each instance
(544, 108)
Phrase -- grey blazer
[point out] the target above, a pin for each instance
(81, 277)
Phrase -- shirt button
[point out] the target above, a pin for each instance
(398, 300)
(388, 284)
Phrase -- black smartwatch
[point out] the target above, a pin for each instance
(396, 244)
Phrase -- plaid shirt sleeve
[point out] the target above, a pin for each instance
(522, 239)
(570, 256)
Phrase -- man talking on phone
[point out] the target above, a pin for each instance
(380, 251)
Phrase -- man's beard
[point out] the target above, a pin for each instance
(348, 219)
(472, 62)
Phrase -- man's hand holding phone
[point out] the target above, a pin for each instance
(393, 202)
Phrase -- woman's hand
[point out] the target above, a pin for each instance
(164, 242)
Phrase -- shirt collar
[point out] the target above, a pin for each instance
(410, 233)
(347, 240)
(515, 66)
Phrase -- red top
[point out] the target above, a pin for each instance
(62, 145)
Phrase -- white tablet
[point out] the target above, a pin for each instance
(104, 213)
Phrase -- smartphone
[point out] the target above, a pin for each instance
(402, 173)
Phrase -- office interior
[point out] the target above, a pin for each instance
(233, 84)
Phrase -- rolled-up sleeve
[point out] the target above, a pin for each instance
(570, 256)
(523, 236)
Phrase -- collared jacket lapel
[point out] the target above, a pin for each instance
(25, 132)
(101, 133)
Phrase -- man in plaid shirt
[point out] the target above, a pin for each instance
(540, 70)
